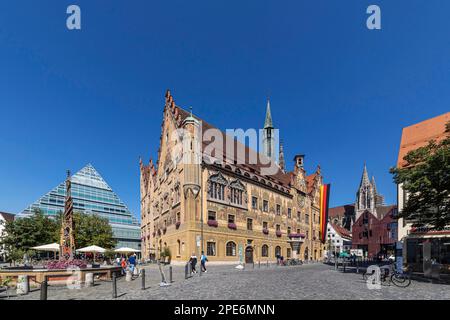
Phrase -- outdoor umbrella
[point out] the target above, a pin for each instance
(53, 247)
(94, 249)
(126, 250)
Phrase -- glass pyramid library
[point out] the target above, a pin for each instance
(92, 195)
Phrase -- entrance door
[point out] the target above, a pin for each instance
(249, 254)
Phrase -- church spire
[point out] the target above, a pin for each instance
(268, 122)
(374, 186)
(281, 157)
(365, 177)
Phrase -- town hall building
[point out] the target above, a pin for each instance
(233, 211)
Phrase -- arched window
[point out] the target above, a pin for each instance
(265, 250)
(231, 249)
(179, 247)
(277, 251)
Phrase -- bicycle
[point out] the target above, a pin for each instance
(392, 275)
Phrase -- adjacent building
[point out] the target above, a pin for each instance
(4, 217)
(339, 240)
(243, 214)
(92, 195)
(376, 233)
(420, 245)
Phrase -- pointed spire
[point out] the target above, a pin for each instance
(374, 186)
(281, 157)
(365, 177)
(268, 121)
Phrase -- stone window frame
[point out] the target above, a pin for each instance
(230, 249)
(212, 212)
(255, 207)
(265, 206)
(251, 224)
(231, 215)
(265, 251)
(208, 252)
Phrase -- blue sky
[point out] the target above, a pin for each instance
(339, 93)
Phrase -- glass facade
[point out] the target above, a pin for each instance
(92, 195)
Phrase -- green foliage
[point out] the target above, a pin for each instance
(91, 229)
(426, 179)
(22, 234)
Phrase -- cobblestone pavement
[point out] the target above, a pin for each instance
(309, 281)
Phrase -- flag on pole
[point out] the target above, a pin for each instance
(324, 201)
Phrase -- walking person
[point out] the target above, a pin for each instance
(193, 261)
(203, 260)
(132, 262)
(123, 264)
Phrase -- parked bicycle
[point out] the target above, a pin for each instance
(390, 274)
(294, 262)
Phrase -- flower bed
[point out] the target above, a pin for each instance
(266, 231)
(56, 264)
(296, 235)
(278, 233)
(213, 223)
(232, 226)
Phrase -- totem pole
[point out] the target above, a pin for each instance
(67, 241)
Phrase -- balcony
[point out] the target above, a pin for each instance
(296, 235)
(278, 233)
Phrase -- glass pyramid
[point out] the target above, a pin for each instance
(92, 195)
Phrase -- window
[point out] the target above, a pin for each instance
(265, 206)
(289, 213)
(178, 217)
(289, 230)
(231, 249)
(288, 252)
(264, 224)
(210, 248)
(299, 215)
(298, 230)
(278, 227)
(217, 185)
(249, 224)
(254, 203)
(277, 251)
(236, 191)
(306, 218)
(278, 209)
(211, 215)
(230, 218)
(265, 250)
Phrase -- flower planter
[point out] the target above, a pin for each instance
(278, 233)
(296, 235)
(265, 231)
(213, 223)
(232, 226)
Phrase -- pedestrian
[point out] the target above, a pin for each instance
(132, 262)
(203, 260)
(123, 264)
(193, 261)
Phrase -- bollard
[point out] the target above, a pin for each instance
(253, 265)
(357, 267)
(89, 279)
(143, 279)
(190, 270)
(128, 275)
(186, 271)
(170, 274)
(259, 264)
(267, 264)
(44, 289)
(114, 285)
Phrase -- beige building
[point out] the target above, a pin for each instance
(242, 213)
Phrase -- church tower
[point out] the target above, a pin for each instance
(365, 196)
(268, 135)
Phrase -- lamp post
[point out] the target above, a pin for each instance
(201, 215)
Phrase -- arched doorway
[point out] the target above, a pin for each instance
(249, 254)
(306, 254)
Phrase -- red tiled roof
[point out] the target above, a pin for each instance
(342, 231)
(341, 210)
(419, 134)
(7, 216)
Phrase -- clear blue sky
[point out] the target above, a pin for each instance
(339, 93)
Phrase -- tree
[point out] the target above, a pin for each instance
(426, 179)
(21, 234)
(91, 229)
